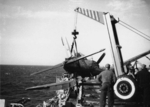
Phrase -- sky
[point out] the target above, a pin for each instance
(31, 30)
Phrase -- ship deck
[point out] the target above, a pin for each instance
(91, 96)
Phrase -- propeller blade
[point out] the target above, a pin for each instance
(101, 58)
(54, 86)
(74, 60)
(54, 67)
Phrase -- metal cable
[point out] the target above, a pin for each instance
(147, 37)
(76, 18)
(135, 29)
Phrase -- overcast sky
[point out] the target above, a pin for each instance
(31, 30)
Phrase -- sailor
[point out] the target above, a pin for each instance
(107, 78)
(130, 70)
(143, 79)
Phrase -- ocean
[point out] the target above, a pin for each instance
(14, 79)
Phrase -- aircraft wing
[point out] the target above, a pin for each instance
(137, 57)
(50, 68)
(54, 86)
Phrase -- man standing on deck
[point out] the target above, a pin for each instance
(107, 78)
(143, 79)
(130, 70)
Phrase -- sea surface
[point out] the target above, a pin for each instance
(14, 79)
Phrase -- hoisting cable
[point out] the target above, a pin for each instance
(75, 22)
(134, 30)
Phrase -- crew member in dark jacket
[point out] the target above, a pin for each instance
(143, 79)
(107, 78)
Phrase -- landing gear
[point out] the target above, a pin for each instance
(125, 88)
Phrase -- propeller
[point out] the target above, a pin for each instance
(101, 57)
(68, 62)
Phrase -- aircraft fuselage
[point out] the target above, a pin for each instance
(84, 68)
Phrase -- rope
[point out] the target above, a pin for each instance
(138, 32)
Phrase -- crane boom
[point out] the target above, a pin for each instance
(115, 47)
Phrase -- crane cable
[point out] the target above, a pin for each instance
(135, 30)
(75, 22)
